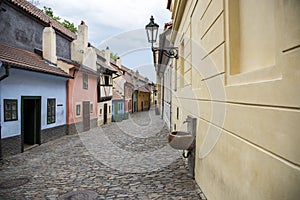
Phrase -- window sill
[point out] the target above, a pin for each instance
(265, 74)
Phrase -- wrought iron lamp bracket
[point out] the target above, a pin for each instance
(170, 52)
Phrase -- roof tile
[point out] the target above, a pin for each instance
(22, 59)
(116, 95)
(143, 89)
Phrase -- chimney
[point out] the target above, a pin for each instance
(49, 45)
(82, 35)
(78, 46)
(119, 62)
(107, 56)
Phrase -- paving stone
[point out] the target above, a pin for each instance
(124, 160)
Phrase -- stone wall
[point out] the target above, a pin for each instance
(53, 133)
(76, 128)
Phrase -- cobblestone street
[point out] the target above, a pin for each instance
(125, 160)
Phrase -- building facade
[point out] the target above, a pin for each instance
(164, 70)
(141, 96)
(118, 107)
(123, 84)
(237, 74)
(105, 85)
(82, 89)
(33, 87)
(33, 100)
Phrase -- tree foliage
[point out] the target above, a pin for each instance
(69, 25)
(114, 56)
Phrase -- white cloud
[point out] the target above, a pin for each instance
(124, 15)
(115, 23)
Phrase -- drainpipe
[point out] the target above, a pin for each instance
(163, 97)
(6, 71)
(2, 78)
(171, 90)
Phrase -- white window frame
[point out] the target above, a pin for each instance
(78, 104)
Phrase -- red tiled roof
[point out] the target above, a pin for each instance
(39, 14)
(143, 89)
(22, 59)
(128, 79)
(116, 95)
(120, 71)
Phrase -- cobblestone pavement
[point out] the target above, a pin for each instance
(125, 160)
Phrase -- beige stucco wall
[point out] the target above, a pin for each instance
(80, 51)
(49, 44)
(64, 66)
(109, 112)
(240, 68)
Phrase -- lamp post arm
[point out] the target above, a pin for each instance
(171, 52)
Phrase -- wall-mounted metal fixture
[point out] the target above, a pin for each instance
(152, 32)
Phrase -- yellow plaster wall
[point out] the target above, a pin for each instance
(64, 66)
(145, 98)
(256, 154)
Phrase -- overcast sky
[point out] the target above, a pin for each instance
(118, 24)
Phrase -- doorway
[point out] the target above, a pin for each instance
(142, 106)
(134, 107)
(86, 115)
(31, 121)
(105, 114)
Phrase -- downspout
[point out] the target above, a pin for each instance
(6, 72)
(124, 95)
(163, 97)
(69, 121)
(2, 78)
(160, 60)
(171, 98)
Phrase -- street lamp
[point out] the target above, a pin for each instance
(152, 32)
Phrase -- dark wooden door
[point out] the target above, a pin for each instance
(86, 115)
(31, 120)
(105, 114)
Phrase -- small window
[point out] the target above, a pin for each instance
(92, 108)
(177, 113)
(106, 80)
(85, 79)
(155, 94)
(51, 104)
(109, 109)
(100, 111)
(10, 109)
(78, 110)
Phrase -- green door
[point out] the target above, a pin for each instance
(116, 109)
